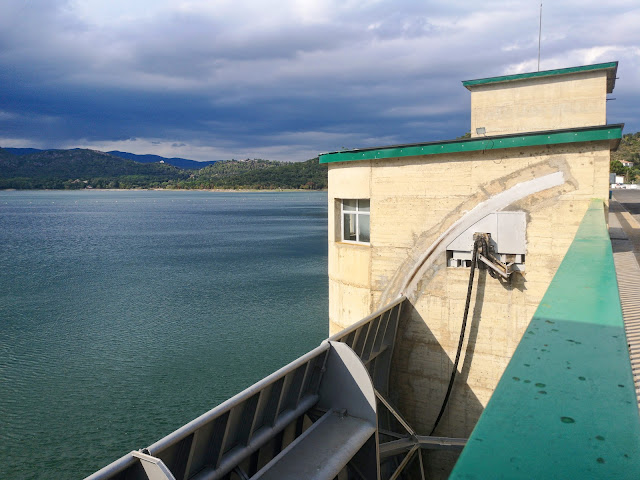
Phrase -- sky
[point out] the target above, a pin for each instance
(286, 79)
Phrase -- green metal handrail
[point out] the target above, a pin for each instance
(565, 406)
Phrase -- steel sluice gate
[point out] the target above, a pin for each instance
(326, 415)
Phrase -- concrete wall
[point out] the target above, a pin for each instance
(414, 200)
(566, 101)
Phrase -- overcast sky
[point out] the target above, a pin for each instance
(285, 79)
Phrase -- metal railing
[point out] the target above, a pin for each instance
(373, 339)
(248, 434)
(228, 435)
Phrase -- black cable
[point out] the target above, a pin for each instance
(480, 242)
(488, 254)
(484, 250)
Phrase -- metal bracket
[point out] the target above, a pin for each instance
(497, 266)
(153, 467)
(502, 269)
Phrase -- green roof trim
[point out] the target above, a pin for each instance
(565, 406)
(529, 139)
(611, 66)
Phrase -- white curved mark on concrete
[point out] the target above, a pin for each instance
(497, 202)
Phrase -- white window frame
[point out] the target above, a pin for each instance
(357, 213)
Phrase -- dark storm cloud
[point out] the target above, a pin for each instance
(282, 80)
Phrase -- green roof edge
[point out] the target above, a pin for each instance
(545, 73)
(529, 139)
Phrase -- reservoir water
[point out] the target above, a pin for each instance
(125, 314)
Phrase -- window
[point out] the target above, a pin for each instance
(355, 221)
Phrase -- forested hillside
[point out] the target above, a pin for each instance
(629, 151)
(260, 174)
(81, 168)
(176, 162)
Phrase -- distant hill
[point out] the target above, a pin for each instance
(260, 174)
(79, 168)
(23, 151)
(176, 162)
(629, 149)
(234, 167)
(82, 168)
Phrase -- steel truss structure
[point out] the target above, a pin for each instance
(326, 415)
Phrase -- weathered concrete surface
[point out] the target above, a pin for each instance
(412, 204)
(349, 265)
(567, 101)
(492, 204)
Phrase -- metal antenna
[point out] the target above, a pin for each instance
(539, 36)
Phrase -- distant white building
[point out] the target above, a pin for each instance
(615, 180)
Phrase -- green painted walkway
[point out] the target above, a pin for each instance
(565, 406)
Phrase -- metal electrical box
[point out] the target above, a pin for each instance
(508, 240)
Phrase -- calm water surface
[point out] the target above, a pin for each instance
(123, 315)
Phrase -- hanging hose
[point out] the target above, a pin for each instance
(479, 243)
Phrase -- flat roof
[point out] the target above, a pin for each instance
(610, 67)
(611, 132)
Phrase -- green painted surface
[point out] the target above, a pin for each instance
(546, 73)
(565, 406)
(554, 137)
